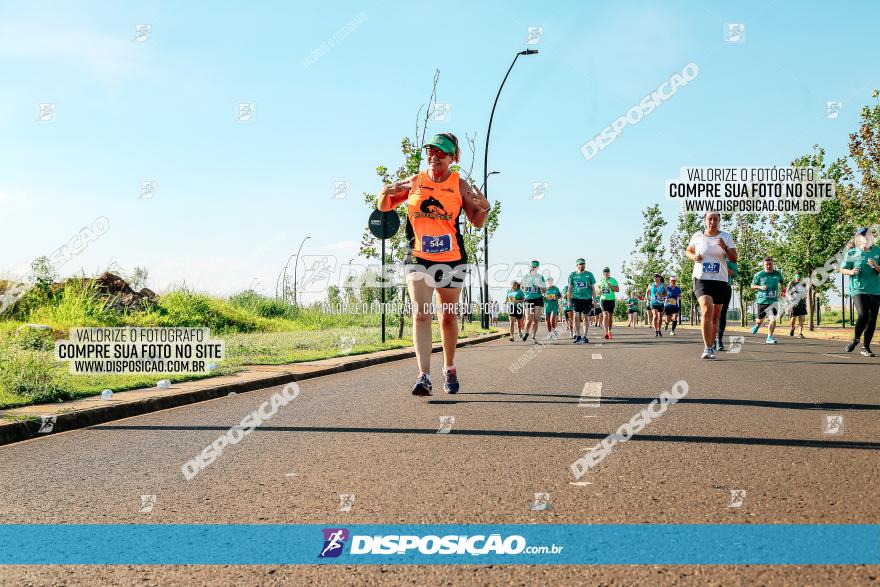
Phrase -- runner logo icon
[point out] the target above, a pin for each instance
(334, 541)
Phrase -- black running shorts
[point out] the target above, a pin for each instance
(719, 291)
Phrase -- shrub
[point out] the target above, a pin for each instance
(28, 373)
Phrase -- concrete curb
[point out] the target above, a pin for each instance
(40, 416)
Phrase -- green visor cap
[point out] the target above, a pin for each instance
(442, 143)
(580, 261)
(535, 263)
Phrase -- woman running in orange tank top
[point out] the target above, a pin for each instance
(438, 262)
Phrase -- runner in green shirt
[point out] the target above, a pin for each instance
(567, 313)
(768, 284)
(515, 298)
(580, 295)
(608, 289)
(551, 306)
(632, 308)
(862, 264)
(534, 286)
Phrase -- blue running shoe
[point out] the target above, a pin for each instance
(422, 386)
(451, 385)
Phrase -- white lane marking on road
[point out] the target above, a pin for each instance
(591, 395)
(838, 356)
(580, 483)
(290, 474)
(597, 356)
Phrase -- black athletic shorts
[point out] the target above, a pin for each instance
(656, 306)
(582, 306)
(439, 273)
(534, 302)
(515, 310)
(719, 291)
(608, 305)
(800, 309)
(670, 310)
(764, 309)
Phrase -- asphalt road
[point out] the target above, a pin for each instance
(751, 421)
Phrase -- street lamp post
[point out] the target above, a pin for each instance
(295, 267)
(485, 315)
(483, 300)
(283, 273)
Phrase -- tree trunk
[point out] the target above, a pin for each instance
(811, 305)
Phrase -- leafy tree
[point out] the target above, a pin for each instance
(752, 242)
(649, 255)
(139, 277)
(679, 264)
(807, 241)
(43, 273)
(864, 148)
(333, 295)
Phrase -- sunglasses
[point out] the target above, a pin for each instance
(437, 153)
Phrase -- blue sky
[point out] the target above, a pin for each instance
(235, 199)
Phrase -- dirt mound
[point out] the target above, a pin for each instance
(119, 294)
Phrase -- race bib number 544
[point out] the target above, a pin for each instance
(437, 244)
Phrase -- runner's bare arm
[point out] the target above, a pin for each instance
(394, 193)
(691, 253)
(476, 206)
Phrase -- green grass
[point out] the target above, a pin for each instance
(256, 330)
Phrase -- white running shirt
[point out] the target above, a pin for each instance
(713, 267)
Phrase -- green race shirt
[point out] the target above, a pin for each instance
(565, 305)
(551, 299)
(514, 296)
(532, 284)
(772, 281)
(606, 291)
(632, 304)
(868, 280)
(581, 285)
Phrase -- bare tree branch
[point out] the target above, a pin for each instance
(432, 99)
(472, 147)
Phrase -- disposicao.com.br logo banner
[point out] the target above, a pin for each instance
(277, 544)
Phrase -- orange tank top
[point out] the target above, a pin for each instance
(432, 211)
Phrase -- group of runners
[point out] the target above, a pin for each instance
(583, 299)
(437, 266)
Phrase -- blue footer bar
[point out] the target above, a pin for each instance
(627, 544)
